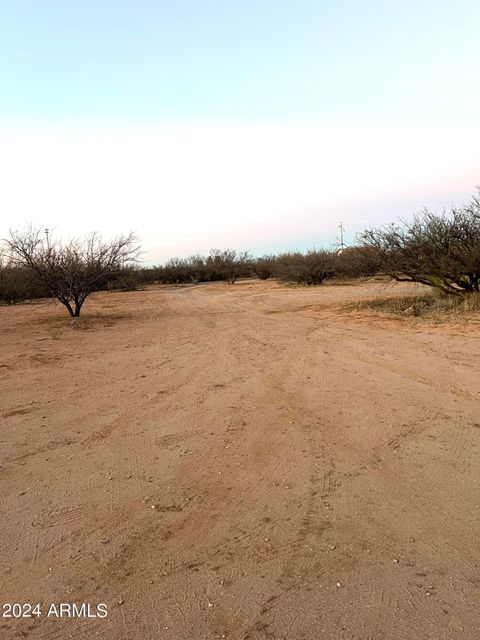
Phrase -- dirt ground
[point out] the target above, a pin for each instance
(249, 462)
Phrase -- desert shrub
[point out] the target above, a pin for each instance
(149, 275)
(432, 305)
(264, 267)
(18, 284)
(175, 271)
(441, 251)
(230, 264)
(356, 262)
(126, 280)
(195, 268)
(199, 269)
(310, 268)
(71, 272)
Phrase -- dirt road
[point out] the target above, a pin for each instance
(248, 462)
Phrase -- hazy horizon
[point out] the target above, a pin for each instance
(258, 127)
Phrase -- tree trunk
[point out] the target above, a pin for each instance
(67, 304)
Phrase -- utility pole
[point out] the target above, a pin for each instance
(46, 233)
(342, 229)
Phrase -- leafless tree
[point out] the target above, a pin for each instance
(18, 283)
(72, 271)
(198, 268)
(441, 251)
(312, 267)
(175, 271)
(264, 267)
(230, 264)
(355, 262)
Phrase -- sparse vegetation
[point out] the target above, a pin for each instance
(357, 262)
(231, 264)
(71, 272)
(434, 304)
(309, 268)
(18, 283)
(264, 267)
(441, 251)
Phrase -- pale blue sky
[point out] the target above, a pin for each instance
(224, 83)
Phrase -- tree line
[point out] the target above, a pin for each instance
(438, 250)
(35, 267)
(311, 267)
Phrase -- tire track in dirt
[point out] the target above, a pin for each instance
(253, 437)
(295, 556)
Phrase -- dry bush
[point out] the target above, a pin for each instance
(231, 264)
(431, 305)
(441, 251)
(199, 269)
(264, 267)
(126, 280)
(18, 283)
(195, 268)
(357, 262)
(71, 272)
(309, 268)
(175, 271)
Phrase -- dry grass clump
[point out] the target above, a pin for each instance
(56, 327)
(430, 305)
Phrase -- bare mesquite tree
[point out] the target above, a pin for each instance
(175, 271)
(72, 271)
(441, 251)
(18, 283)
(312, 267)
(356, 262)
(264, 267)
(230, 264)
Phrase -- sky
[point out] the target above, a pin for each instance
(254, 124)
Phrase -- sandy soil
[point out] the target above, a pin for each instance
(248, 462)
